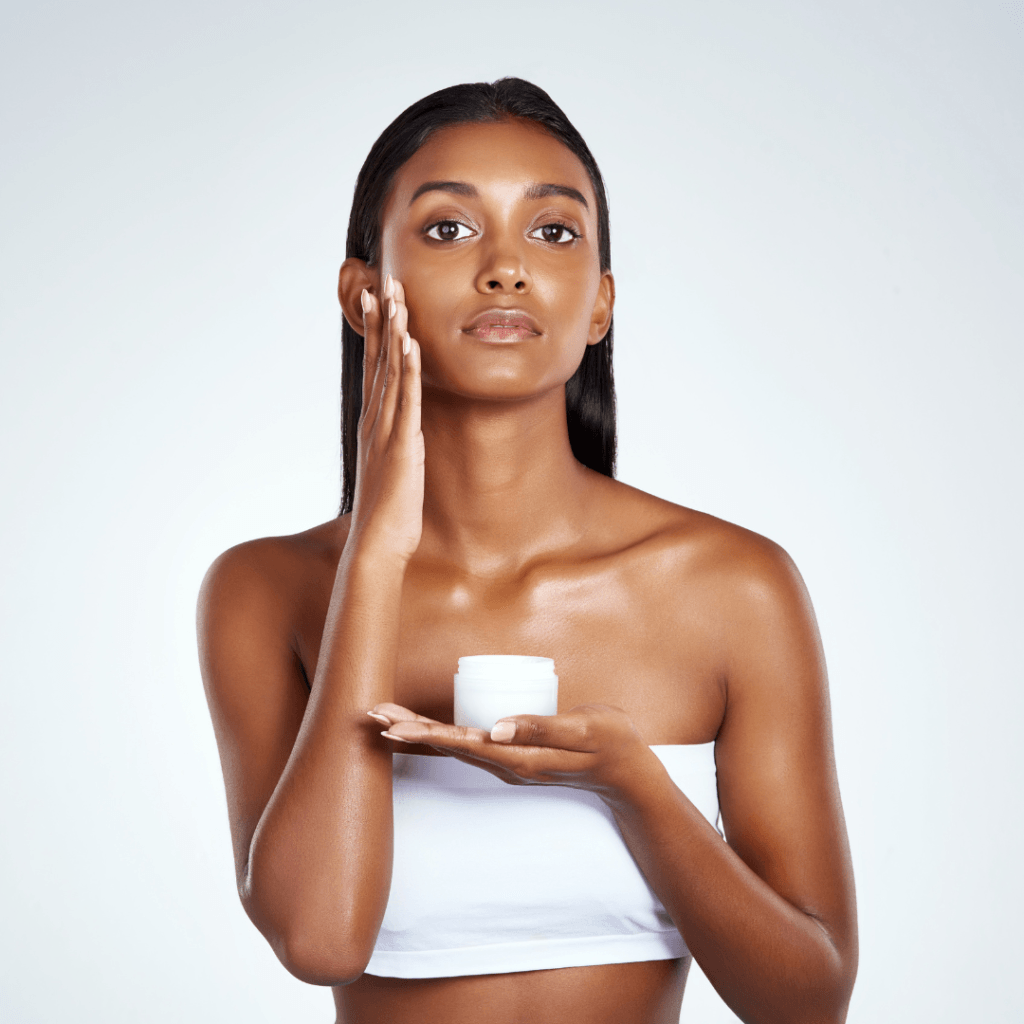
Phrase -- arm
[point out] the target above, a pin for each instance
(771, 916)
(308, 781)
(308, 785)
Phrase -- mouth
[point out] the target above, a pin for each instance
(502, 325)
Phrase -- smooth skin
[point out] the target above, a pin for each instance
(476, 531)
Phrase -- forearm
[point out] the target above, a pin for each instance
(319, 868)
(769, 960)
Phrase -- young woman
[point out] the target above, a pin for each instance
(564, 867)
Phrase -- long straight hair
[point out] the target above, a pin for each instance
(590, 392)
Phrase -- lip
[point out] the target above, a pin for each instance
(502, 325)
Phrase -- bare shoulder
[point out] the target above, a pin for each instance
(729, 562)
(271, 572)
(734, 593)
(255, 604)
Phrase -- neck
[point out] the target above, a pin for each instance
(501, 483)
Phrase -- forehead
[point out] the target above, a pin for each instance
(492, 156)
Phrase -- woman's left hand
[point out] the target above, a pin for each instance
(592, 746)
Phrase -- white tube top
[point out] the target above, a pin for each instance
(490, 878)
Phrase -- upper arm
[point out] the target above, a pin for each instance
(254, 682)
(778, 789)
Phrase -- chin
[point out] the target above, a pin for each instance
(499, 375)
(495, 390)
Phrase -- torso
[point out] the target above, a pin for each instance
(629, 618)
(638, 993)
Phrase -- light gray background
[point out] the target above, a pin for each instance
(818, 231)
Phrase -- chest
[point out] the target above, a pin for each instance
(616, 638)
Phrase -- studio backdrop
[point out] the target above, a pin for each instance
(817, 218)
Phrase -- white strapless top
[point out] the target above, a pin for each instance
(490, 878)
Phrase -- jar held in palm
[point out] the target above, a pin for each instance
(493, 686)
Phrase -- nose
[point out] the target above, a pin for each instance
(504, 271)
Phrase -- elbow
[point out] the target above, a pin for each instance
(846, 975)
(309, 951)
(317, 961)
(828, 1000)
(842, 973)
(816, 990)
(825, 1007)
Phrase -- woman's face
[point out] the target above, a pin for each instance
(492, 230)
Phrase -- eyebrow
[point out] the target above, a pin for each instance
(458, 188)
(545, 190)
(537, 191)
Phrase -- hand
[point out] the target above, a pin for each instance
(388, 504)
(593, 746)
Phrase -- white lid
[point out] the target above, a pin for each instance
(505, 666)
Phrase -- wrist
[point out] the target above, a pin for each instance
(366, 552)
(636, 782)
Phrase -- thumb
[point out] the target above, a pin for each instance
(562, 731)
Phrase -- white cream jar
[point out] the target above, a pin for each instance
(493, 686)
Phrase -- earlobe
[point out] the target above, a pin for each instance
(353, 277)
(601, 318)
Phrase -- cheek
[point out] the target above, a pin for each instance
(431, 294)
(569, 292)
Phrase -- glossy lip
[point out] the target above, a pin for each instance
(502, 325)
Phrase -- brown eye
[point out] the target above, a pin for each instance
(557, 233)
(448, 231)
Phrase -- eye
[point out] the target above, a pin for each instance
(448, 231)
(560, 234)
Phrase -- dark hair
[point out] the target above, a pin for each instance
(590, 392)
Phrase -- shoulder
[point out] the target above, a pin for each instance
(264, 576)
(729, 561)
(734, 592)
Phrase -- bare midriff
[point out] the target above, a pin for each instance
(650, 992)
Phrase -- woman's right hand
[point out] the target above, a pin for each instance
(387, 512)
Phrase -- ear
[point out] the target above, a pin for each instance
(353, 277)
(601, 318)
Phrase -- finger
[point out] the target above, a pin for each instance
(510, 762)
(411, 401)
(400, 333)
(449, 737)
(392, 357)
(387, 293)
(380, 365)
(371, 343)
(499, 771)
(396, 713)
(388, 714)
(565, 732)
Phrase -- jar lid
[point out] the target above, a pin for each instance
(506, 666)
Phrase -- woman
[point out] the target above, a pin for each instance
(481, 516)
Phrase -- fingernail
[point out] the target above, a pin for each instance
(398, 738)
(389, 288)
(383, 719)
(405, 344)
(364, 300)
(503, 732)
